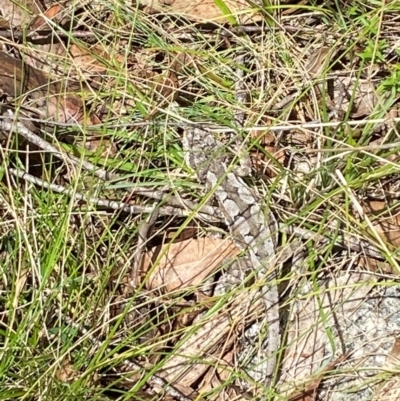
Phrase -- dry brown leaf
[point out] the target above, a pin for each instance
(218, 375)
(262, 163)
(200, 350)
(310, 392)
(393, 359)
(49, 56)
(187, 263)
(306, 335)
(267, 165)
(166, 87)
(25, 12)
(167, 91)
(19, 286)
(40, 21)
(4, 24)
(388, 227)
(86, 61)
(19, 12)
(390, 390)
(187, 233)
(66, 372)
(373, 265)
(365, 98)
(204, 10)
(17, 79)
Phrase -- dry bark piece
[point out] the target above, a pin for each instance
(186, 263)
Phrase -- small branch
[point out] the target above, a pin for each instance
(12, 126)
(293, 125)
(48, 34)
(20, 129)
(287, 126)
(241, 97)
(345, 241)
(109, 204)
(143, 236)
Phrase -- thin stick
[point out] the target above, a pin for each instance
(143, 234)
(287, 126)
(240, 116)
(20, 129)
(344, 241)
(290, 126)
(109, 204)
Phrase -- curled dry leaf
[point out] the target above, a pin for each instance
(66, 372)
(205, 10)
(186, 263)
(18, 79)
(307, 337)
(19, 12)
(390, 389)
(363, 93)
(310, 392)
(202, 349)
(387, 226)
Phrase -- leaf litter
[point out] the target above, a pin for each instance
(177, 314)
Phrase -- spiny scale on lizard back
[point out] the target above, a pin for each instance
(240, 207)
(247, 225)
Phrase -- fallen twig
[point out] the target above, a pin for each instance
(20, 129)
(344, 241)
(109, 204)
(287, 126)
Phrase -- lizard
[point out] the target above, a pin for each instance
(245, 219)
